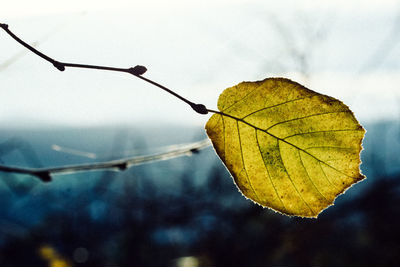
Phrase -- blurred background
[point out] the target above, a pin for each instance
(187, 211)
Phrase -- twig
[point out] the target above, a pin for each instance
(136, 71)
(45, 174)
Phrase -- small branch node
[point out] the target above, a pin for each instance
(199, 108)
(60, 66)
(195, 150)
(137, 70)
(44, 176)
(122, 166)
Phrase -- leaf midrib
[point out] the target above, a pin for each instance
(285, 141)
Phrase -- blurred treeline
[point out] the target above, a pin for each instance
(187, 212)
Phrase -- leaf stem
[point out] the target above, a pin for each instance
(135, 71)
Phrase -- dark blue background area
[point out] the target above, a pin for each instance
(156, 214)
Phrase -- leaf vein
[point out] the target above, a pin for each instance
(241, 99)
(223, 126)
(244, 166)
(290, 178)
(334, 147)
(325, 131)
(309, 177)
(326, 176)
(317, 158)
(305, 117)
(273, 106)
(269, 176)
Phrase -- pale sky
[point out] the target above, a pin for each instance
(197, 48)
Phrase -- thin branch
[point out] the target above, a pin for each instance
(136, 71)
(45, 174)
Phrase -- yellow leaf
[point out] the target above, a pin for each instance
(287, 147)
